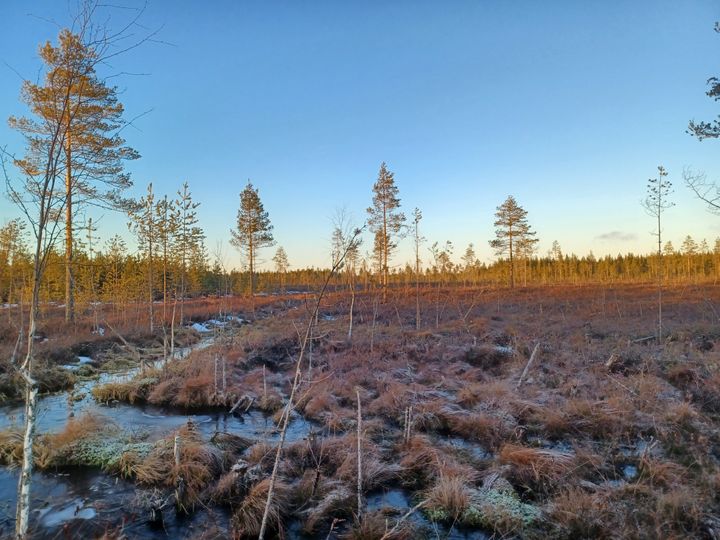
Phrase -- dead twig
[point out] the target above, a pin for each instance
(403, 518)
(527, 366)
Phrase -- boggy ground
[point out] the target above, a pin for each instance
(58, 344)
(609, 434)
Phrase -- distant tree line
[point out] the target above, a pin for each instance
(111, 274)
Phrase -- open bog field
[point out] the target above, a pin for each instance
(605, 433)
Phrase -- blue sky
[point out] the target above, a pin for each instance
(569, 106)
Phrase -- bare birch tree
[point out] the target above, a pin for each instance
(39, 191)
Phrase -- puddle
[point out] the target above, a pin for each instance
(474, 450)
(630, 472)
(397, 499)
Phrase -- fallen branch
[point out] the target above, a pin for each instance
(403, 518)
(128, 346)
(640, 340)
(527, 366)
(239, 401)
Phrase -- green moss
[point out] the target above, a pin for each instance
(499, 510)
(145, 382)
(119, 364)
(53, 379)
(86, 370)
(437, 514)
(102, 452)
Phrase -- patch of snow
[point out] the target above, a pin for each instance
(100, 331)
(84, 360)
(76, 509)
(199, 327)
(502, 349)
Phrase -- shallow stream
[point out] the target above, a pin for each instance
(85, 503)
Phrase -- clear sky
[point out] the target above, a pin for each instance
(569, 106)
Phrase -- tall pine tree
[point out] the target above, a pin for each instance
(512, 233)
(75, 102)
(253, 230)
(188, 238)
(385, 220)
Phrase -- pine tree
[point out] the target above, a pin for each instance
(188, 236)
(253, 230)
(281, 265)
(386, 221)
(12, 249)
(116, 252)
(144, 223)
(469, 260)
(197, 265)
(167, 217)
(511, 227)
(76, 102)
(689, 248)
(418, 239)
(526, 248)
(708, 130)
(557, 256)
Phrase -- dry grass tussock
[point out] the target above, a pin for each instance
(200, 464)
(247, 518)
(377, 526)
(11, 446)
(447, 499)
(423, 463)
(537, 468)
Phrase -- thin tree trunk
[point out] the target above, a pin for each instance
(359, 456)
(385, 246)
(352, 306)
(150, 286)
(417, 283)
(172, 332)
(660, 279)
(22, 518)
(251, 257)
(512, 266)
(23, 504)
(69, 295)
(291, 400)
